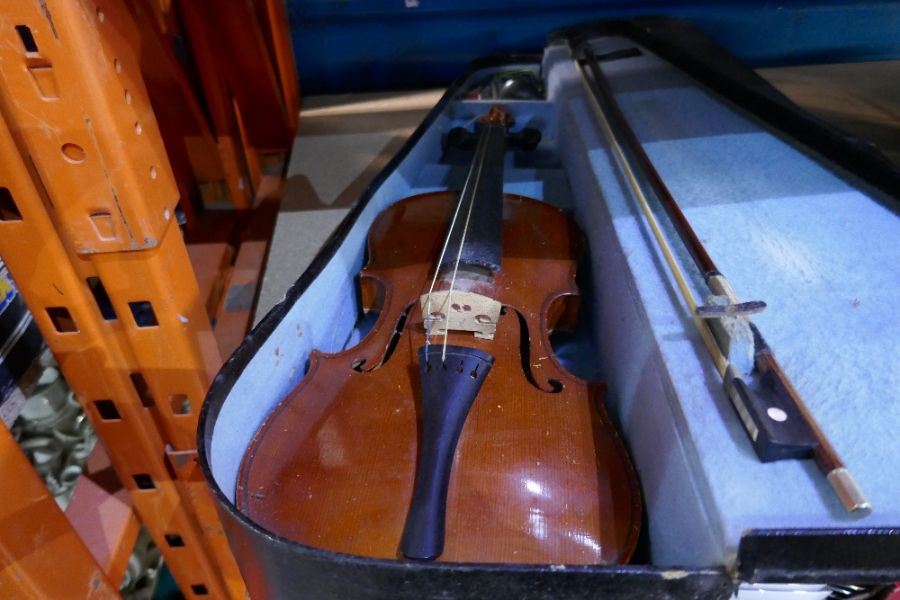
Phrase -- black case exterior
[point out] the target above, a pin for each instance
(826, 555)
(274, 567)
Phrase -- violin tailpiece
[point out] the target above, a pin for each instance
(449, 387)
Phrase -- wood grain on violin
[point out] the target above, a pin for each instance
(538, 475)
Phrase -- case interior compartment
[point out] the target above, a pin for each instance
(820, 247)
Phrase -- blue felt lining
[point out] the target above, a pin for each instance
(824, 254)
(785, 229)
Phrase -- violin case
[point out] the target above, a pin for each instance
(795, 213)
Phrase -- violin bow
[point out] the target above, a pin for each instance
(776, 419)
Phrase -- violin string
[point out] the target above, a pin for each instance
(437, 268)
(462, 241)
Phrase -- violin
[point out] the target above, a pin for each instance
(451, 432)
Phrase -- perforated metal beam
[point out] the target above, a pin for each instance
(88, 233)
(35, 535)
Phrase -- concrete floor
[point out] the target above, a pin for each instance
(344, 140)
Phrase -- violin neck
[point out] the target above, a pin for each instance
(480, 213)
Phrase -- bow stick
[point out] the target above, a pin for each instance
(778, 422)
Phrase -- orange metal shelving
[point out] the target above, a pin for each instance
(36, 539)
(88, 231)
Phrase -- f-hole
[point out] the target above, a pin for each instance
(556, 386)
(395, 337)
(359, 364)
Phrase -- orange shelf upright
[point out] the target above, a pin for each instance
(87, 229)
(41, 555)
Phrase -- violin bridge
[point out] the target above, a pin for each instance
(467, 311)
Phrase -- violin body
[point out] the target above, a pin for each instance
(539, 474)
